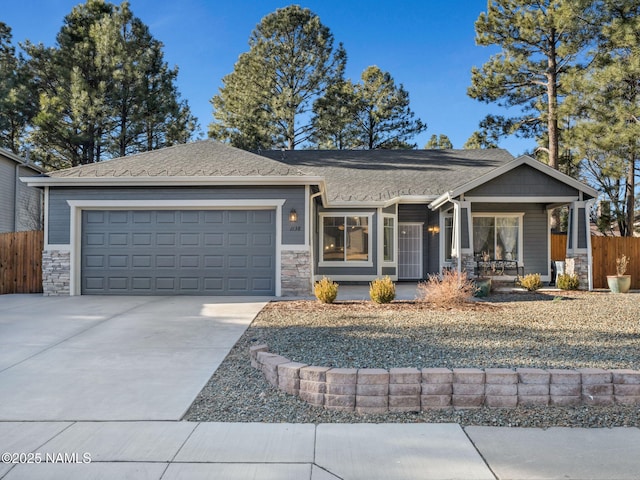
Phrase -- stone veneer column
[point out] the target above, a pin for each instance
(56, 272)
(296, 272)
(578, 264)
(468, 264)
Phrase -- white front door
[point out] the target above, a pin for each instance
(410, 251)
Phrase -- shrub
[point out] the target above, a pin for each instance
(325, 290)
(568, 282)
(450, 289)
(382, 290)
(530, 282)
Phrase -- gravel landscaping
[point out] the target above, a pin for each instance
(551, 330)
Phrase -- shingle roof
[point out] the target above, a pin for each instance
(205, 158)
(350, 175)
(380, 175)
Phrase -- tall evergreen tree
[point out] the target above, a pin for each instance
(290, 63)
(335, 114)
(440, 142)
(480, 139)
(540, 41)
(384, 119)
(96, 102)
(18, 98)
(371, 114)
(606, 110)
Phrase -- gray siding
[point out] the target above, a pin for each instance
(7, 194)
(535, 234)
(22, 209)
(523, 181)
(29, 208)
(464, 234)
(60, 212)
(582, 228)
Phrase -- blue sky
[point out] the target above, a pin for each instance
(427, 45)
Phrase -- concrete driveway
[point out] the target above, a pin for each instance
(112, 358)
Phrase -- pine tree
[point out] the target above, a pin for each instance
(606, 135)
(18, 98)
(384, 119)
(105, 89)
(265, 100)
(540, 42)
(335, 114)
(440, 142)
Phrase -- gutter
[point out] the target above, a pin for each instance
(164, 181)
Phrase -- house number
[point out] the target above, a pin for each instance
(295, 228)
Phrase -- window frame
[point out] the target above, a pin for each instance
(518, 215)
(394, 235)
(345, 262)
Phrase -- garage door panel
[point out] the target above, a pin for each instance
(118, 261)
(179, 252)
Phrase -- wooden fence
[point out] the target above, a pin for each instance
(605, 251)
(21, 262)
(558, 247)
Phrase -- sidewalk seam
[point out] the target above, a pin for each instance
(479, 453)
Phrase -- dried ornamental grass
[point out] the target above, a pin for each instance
(449, 289)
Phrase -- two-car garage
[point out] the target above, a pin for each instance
(170, 252)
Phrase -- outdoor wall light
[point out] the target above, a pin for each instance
(293, 216)
(433, 229)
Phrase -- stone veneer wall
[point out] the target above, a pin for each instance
(56, 272)
(374, 390)
(296, 272)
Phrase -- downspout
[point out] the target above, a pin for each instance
(311, 234)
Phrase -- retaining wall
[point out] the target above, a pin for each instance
(374, 390)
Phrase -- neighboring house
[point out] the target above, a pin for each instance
(20, 205)
(207, 218)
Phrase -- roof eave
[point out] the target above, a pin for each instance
(167, 181)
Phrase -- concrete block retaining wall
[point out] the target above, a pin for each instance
(375, 390)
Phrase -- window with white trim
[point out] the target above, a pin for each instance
(389, 239)
(345, 239)
(497, 237)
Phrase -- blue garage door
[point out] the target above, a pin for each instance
(172, 252)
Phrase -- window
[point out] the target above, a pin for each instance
(496, 237)
(345, 238)
(388, 244)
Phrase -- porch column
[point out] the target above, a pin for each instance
(463, 236)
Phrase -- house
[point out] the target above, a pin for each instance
(20, 205)
(207, 218)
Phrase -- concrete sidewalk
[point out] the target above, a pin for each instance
(237, 451)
